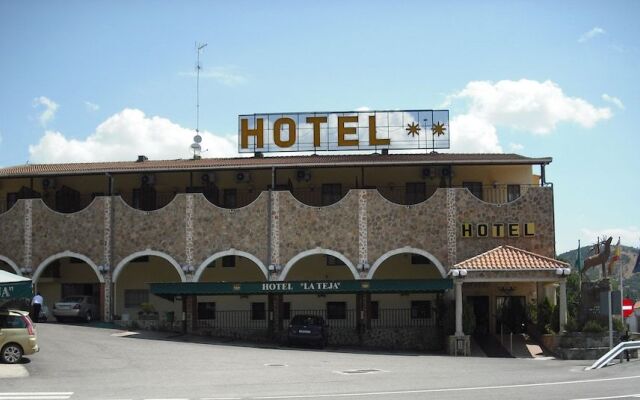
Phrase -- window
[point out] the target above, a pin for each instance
(419, 259)
(336, 310)
(331, 260)
(420, 309)
(375, 310)
(228, 261)
(258, 311)
(144, 198)
(134, 297)
(474, 187)
(331, 193)
(513, 192)
(230, 198)
(207, 310)
(67, 200)
(11, 322)
(415, 192)
(286, 310)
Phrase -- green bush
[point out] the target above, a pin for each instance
(592, 326)
(572, 325)
(618, 326)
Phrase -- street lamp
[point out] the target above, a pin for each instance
(458, 273)
(563, 271)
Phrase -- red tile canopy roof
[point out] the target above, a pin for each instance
(204, 164)
(508, 258)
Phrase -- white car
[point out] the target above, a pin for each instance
(75, 307)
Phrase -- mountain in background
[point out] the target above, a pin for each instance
(628, 256)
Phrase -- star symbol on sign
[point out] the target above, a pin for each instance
(413, 129)
(438, 129)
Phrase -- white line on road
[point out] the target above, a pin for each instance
(221, 398)
(612, 397)
(35, 395)
(309, 396)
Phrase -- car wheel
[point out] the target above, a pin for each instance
(11, 353)
(88, 317)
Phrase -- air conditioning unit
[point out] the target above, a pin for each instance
(148, 180)
(303, 175)
(445, 171)
(428, 172)
(242, 176)
(48, 183)
(208, 177)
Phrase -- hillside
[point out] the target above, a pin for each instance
(627, 261)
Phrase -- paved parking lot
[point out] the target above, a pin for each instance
(83, 362)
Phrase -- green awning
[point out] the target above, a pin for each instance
(14, 286)
(170, 290)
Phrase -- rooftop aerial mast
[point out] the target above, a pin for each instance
(197, 139)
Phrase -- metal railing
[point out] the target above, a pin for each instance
(349, 320)
(235, 319)
(401, 318)
(613, 353)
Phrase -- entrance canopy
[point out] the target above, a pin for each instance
(171, 290)
(14, 287)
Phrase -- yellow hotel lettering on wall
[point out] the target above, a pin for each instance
(469, 230)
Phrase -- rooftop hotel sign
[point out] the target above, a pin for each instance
(344, 131)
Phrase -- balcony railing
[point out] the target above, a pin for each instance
(237, 198)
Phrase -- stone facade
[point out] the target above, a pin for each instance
(362, 224)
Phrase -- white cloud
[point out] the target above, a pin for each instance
(227, 75)
(515, 147)
(363, 108)
(524, 105)
(629, 236)
(50, 108)
(91, 106)
(613, 100)
(125, 135)
(596, 31)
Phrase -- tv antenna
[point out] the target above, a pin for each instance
(197, 139)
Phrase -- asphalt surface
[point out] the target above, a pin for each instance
(86, 362)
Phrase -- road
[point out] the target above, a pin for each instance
(83, 362)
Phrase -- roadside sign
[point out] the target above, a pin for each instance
(627, 307)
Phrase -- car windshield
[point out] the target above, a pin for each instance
(306, 320)
(73, 299)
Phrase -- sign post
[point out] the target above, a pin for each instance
(627, 307)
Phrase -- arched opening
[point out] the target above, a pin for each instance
(326, 269)
(132, 298)
(66, 275)
(7, 265)
(227, 314)
(419, 310)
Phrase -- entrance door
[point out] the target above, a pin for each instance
(480, 305)
(511, 312)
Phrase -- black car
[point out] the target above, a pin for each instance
(308, 329)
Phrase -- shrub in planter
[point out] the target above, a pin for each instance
(572, 325)
(592, 326)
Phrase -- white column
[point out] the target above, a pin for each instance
(563, 304)
(458, 286)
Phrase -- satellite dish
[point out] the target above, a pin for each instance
(197, 138)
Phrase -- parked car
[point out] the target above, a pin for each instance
(75, 307)
(17, 336)
(310, 329)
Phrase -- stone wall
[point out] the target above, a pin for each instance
(303, 227)
(12, 233)
(535, 205)
(81, 232)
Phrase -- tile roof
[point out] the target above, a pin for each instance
(268, 162)
(508, 258)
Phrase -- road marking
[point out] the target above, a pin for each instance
(35, 395)
(636, 395)
(13, 371)
(221, 398)
(525, 385)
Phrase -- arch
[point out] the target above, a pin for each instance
(318, 250)
(231, 252)
(64, 254)
(407, 249)
(11, 264)
(148, 252)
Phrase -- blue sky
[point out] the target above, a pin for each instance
(88, 80)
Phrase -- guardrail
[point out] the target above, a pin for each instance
(613, 353)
